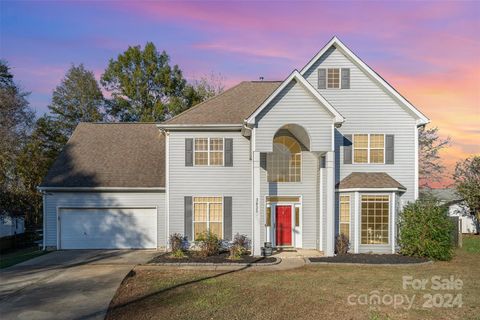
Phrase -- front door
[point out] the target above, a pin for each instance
(283, 229)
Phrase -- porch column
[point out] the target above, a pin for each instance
(256, 244)
(330, 195)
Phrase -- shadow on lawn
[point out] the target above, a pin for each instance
(132, 273)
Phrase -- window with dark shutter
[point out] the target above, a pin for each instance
(227, 218)
(189, 152)
(347, 149)
(322, 78)
(188, 218)
(345, 78)
(389, 148)
(228, 152)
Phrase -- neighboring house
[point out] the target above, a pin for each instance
(10, 226)
(332, 148)
(456, 207)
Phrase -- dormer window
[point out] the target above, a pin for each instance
(333, 78)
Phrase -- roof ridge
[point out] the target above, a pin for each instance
(203, 102)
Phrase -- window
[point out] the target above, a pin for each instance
(369, 148)
(375, 216)
(333, 78)
(284, 163)
(344, 227)
(208, 215)
(208, 151)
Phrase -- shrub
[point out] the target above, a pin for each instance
(209, 244)
(341, 244)
(176, 242)
(425, 230)
(239, 246)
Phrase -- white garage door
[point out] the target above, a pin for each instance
(112, 228)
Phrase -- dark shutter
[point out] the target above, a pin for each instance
(188, 152)
(228, 152)
(345, 78)
(389, 148)
(227, 218)
(347, 149)
(323, 162)
(188, 218)
(322, 78)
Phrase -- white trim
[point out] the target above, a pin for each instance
(393, 199)
(357, 222)
(101, 188)
(338, 118)
(416, 174)
(343, 48)
(208, 152)
(389, 216)
(369, 148)
(370, 189)
(297, 241)
(58, 208)
(167, 191)
(201, 127)
(322, 172)
(339, 78)
(208, 213)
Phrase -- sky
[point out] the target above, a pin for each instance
(429, 51)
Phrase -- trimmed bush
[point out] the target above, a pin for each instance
(425, 230)
(341, 244)
(209, 244)
(239, 246)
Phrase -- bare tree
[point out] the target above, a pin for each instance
(431, 168)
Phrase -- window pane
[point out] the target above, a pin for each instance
(216, 228)
(268, 217)
(201, 158)
(216, 213)
(297, 216)
(216, 158)
(375, 219)
(201, 144)
(360, 156)
(376, 156)
(199, 227)
(377, 141)
(360, 141)
(284, 163)
(200, 212)
(216, 144)
(333, 78)
(345, 229)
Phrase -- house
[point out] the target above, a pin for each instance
(456, 207)
(332, 148)
(10, 226)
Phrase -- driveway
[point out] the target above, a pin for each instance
(76, 284)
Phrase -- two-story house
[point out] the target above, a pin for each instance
(331, 149)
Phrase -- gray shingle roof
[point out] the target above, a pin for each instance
(377, 180)
(110, 155)
(230, 107)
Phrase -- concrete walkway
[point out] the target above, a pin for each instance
(75, 284)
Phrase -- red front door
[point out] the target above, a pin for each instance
(283, 230)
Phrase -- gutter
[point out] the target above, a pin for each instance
(201, 127)
(101, 188)
(370, 189)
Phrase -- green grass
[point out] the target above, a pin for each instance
(471, 243)
(13, 258)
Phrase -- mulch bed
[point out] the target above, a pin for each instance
(371, 259)
(194, 257)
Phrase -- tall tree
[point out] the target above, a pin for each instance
(431, 168)
(77, 98)
(16, 118)
(144, 86)
(467, 184)
(203, 89)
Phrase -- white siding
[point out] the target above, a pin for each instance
(211, 181)
(295, 105)
(367, 108)
(53, 200)
(307, 188)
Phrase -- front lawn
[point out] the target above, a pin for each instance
(310, 292)
(471, 243)
(20, 255)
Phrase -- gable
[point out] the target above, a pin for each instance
(363, 81)
(294, 104)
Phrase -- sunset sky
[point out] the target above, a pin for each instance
(429, 51)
